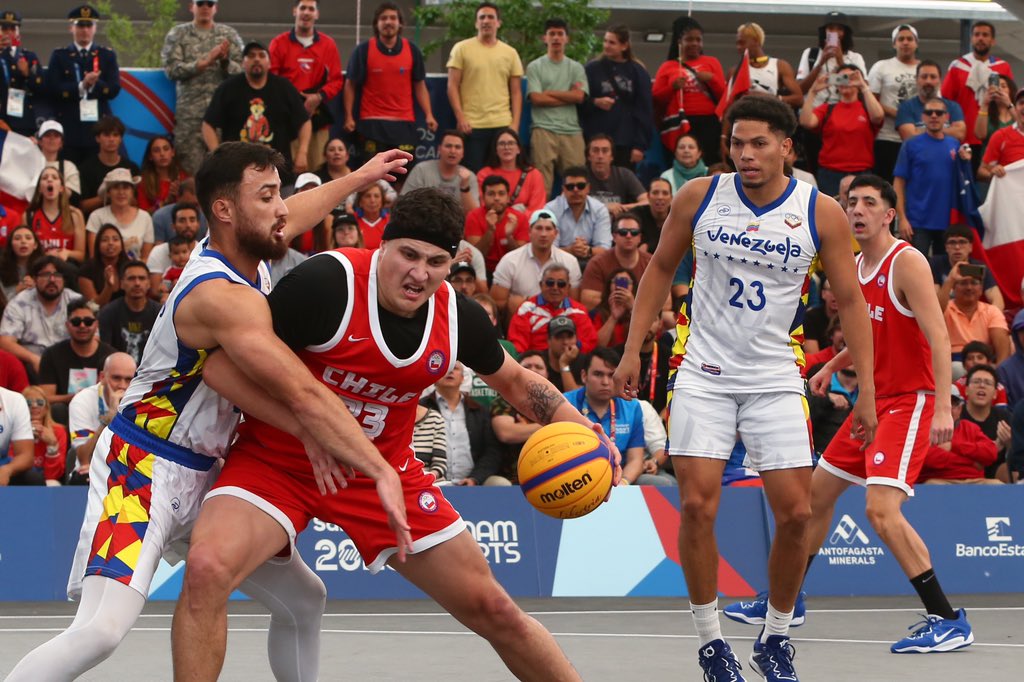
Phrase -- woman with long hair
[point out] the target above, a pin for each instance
(371, 215)
(687, 164)
(611, 316)
(161, 174)
(51, 439)
(98, 279)
(346, 232)
(335, 165)
(620, 103)
(526, 184)
(58, 225)
(694, 83)
(996, 109)
(20, 252)
(118, 194)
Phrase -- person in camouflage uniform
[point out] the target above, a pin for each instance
(198, 56)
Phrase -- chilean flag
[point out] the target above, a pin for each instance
(739, 84)
(1004, 234)
(21, 162)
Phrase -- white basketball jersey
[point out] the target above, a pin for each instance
(168, 398)
(741, 326)
(766, 79)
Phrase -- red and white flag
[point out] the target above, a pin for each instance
(1004, 231)
(738, 86)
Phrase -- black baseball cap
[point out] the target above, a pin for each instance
(561, 325)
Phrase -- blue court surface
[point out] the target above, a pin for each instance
(609, 640)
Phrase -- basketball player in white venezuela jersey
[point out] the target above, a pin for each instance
(161, 450)
(756, 235)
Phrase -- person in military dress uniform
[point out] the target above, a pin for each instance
(82, 77)
(21, 77)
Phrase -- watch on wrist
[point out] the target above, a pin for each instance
(565, 369)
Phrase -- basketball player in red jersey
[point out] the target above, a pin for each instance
(912, 384)
(376, 328)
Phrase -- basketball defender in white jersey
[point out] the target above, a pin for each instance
(756, 235)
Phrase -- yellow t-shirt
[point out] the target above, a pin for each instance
(486, 70)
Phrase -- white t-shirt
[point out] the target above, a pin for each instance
(136, 233)
(893, 82)
(84, 414)
(15, 420)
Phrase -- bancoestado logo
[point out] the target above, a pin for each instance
(1000, 541)
(850, 546)
(498, 540)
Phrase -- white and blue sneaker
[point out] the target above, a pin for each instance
(773, 658)
(754, 612)
(935, 634)
(719, 662)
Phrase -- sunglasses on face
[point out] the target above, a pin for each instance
(623, 232)
(934, 112)
(560, 283)
(79, 321)
(205, 3)
(573, 186)
(35, 402)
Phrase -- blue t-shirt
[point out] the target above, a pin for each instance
(912, 110)
(929, 167)
(629, 420)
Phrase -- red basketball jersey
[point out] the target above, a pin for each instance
(903, 358)
(51, 235)
(380, 390)
(387, 92)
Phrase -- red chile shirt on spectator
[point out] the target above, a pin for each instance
(50, 233)
(696, 101)
(476, 226)
(52, 466)
(954, 87)
(384, 78)
(316, 68)
(847, 137)
(372, 230)
(528, 328)
(1005, 146)
(968, 455)
(10, 218)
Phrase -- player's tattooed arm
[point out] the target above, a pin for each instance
(543, 401)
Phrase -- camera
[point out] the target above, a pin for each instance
(839, 78)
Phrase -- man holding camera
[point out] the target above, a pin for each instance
(948, 268)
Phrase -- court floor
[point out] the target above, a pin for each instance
(609, 640)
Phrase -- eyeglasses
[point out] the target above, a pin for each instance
(935, 112)
(49, 275)
(982, 382)
(560, 283)
(957, 242)
(623, 232)
(573, 186)
(35, 402)
(79, 321)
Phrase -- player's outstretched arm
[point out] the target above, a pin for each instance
(307, 209)
(676, 238)
(237, 319)
(837, 260)
(911, 275)
(538, 399)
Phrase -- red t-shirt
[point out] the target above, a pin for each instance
(373, 232)
(954, 87)
(317, 67)
(161, 199)
(1005, 146)
(696, 101)
(848, 137)
(476, 226)
(532, 194)
(10, 218)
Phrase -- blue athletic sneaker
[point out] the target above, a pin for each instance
(935, 634)
(773, 659)
(719, 663)
(754, 612)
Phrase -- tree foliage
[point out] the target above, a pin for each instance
(522, 24)
(138, 43)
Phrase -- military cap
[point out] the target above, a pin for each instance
(10, 18)
(84, 13)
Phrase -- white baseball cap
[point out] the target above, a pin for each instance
(308, 179)
(51, 126)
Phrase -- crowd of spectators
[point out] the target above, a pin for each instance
(562, 215)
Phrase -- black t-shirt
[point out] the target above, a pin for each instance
(58, 361)
(93, 270)
(271, 115)
(621, 187)
(308, 304)
(988, 427)
(650, 233)
(125, 329)
(92, 171)
(816, 326)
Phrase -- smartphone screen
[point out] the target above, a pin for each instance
(831, 39)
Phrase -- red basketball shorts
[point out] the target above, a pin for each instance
(283, 486)
(895, 456)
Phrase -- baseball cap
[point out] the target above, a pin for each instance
(9, 17)
(1020, 93)
(51, 126)
(561, 325)
(307, 179)
(955, 393)
(839, 19)
(543, 214)
(253, 45)
(903, 27)
(461, 266)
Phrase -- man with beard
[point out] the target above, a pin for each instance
(126, 322)
(389, 74)
(257, 106)
(739, 363)
(447, 173)
(971, 71)
(171, 427)
(910, 113)
(70, 365)
(34, 319)
(185, 222)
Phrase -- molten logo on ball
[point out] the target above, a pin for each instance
(567, 489)
(565, 470)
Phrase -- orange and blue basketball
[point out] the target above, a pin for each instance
(565, 470)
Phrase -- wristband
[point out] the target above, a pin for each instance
(564, 369)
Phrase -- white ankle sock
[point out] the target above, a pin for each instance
(775, 622)
(705, 619)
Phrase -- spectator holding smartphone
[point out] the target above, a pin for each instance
(946, 267)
